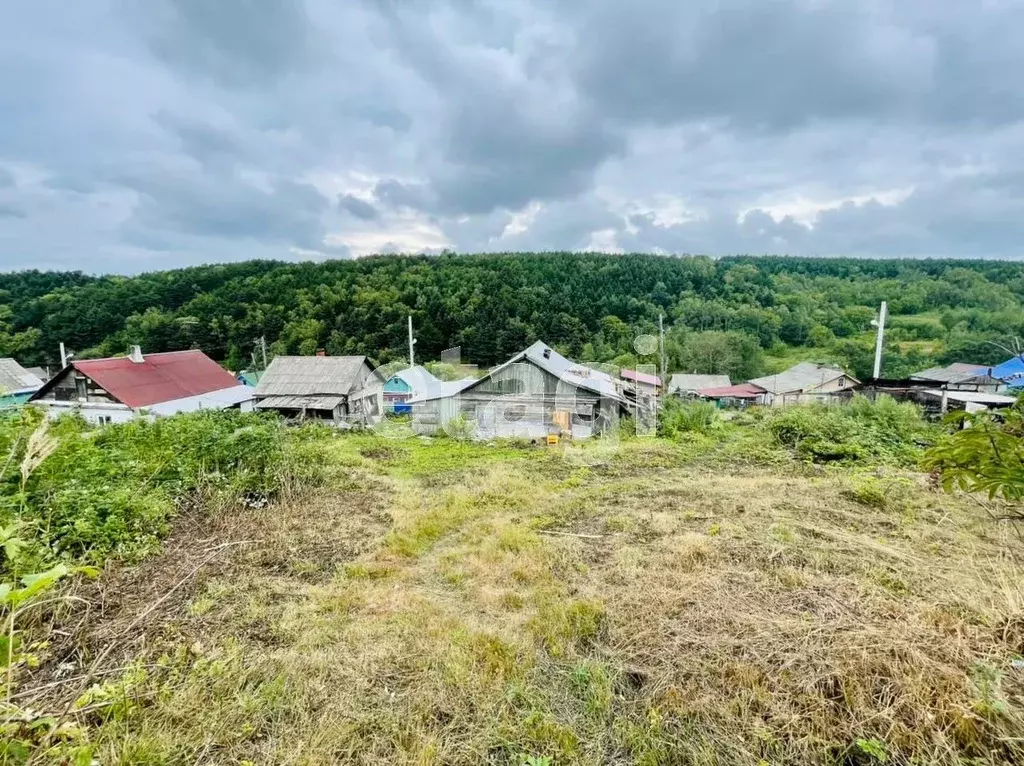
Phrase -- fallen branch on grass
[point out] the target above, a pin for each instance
(571, 534)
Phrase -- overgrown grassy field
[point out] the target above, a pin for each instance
(704, 600)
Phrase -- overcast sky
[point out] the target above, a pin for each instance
(144, 135)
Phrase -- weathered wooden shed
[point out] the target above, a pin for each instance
(536, 393)
(335, 388)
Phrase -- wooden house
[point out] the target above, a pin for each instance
(535, 393)
(405, 385)
(341, 389)
(117, 389)
(17, 384)
(807, 383)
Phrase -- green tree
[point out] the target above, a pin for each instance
(985, 456)
(820, 336)
(722, 353)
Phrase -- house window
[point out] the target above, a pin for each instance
(514, 413)
(104, 420)
(509, 386)
(842, 382)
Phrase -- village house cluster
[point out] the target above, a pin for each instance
(536, 394)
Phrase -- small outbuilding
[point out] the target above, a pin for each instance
(340, 389)
(683, 384)
(945, 400)
(17, 384)
(644, 383)
(740, 395)
(405, 385)
(960, 376)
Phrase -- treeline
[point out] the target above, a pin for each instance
(742, 316)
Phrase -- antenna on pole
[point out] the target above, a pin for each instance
(880, 323)
(65, 356)
(661, 334)
(412, 342)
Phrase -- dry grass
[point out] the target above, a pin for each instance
(685, 614)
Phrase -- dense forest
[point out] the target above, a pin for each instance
(744, 316)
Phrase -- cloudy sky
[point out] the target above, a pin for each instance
(137, 136)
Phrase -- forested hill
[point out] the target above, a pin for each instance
(736, 315)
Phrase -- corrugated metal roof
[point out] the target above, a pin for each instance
(552, 362)
(1011, 371)
(214, 400)
(739, 391)
(16, 379)
(639, 377)
(685, 382)
(310, 376)
(974, 397)
(419, 379)
(158, 377)
(444, 389)
(311, 402)
(957, 372)
(799, 377)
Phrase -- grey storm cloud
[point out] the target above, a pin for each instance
(148, 135)
(359, 208)
(234, 42)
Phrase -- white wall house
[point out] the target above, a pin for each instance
(117, 389)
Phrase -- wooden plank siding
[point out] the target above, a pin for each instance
(520, 400)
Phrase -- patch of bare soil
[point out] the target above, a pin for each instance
(133, 612)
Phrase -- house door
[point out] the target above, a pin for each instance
(487, 420)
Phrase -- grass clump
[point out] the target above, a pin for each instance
(561, 626)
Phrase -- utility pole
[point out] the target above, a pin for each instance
(661, 333)
(263, 349)
(878, 341)
(412, 342)
(63, 356)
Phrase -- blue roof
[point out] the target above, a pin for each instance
(1012, 371)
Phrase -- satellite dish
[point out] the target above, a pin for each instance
(645, 344)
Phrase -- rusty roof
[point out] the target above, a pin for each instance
(640, 377)
(739, 391)
(158, 377)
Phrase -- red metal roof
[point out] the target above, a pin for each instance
(740, 391)
(640, 377)
(158, 377)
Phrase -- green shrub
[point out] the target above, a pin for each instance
(113, 490)
(678, 418)
(880, 431)
(460, 428)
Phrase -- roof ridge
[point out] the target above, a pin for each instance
(145, 355)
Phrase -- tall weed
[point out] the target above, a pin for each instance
(113, 490)
(677, 419)
(879, 431)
